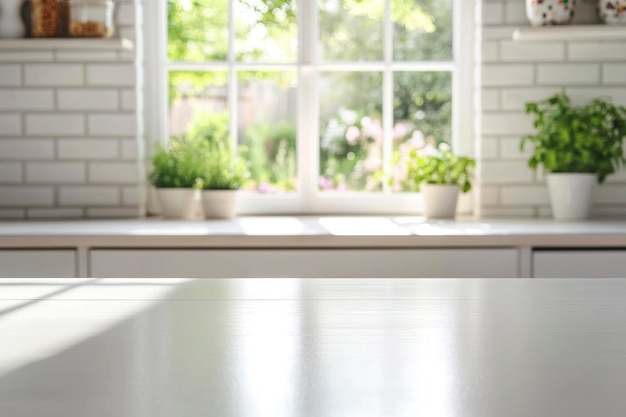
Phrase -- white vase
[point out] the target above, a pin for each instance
(11, 24)
(612, 12)
(219, 204)
(571, 195)
(550, 12)
(440, 200)
(176, 203)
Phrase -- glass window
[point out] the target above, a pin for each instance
(323, 98)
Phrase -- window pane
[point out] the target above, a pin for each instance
(199, 103)
(267, 119)
(422, 30)
(351, 30)
(351, 138)
(266, 31)
(422, 115)
(197, 30)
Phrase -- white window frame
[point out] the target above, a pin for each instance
(308, 200)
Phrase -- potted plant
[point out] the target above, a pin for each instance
(175, 171)
(577, 147)
(223, 174)
(440, 175)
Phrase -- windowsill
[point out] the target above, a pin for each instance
(67, 44)
(596, 32)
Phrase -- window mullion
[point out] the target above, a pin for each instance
(387, 95)
(308, 103)
(233, 99)
(162, 77)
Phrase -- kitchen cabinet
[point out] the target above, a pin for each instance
(34, 263)
(303, 263)
(579, 263)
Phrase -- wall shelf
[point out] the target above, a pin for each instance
(66, 44)
(597, 32)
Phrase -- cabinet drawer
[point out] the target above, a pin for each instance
(579, 264)
(304, 263)
(37, 263)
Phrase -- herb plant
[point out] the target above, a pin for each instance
(570, 139)
(223, 169)
(177, 165)
(201, 158)
(439, 167)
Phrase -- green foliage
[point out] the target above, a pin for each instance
(272, 154)
(202, 158)
(570, 139)
(178, 165)
(444, 167)
(222, 168)
(210, 127)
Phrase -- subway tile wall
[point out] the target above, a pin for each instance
(69, 128)
(513, 73)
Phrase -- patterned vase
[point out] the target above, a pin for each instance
(550, 12)
(612, 11)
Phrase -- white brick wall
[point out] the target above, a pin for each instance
(88, 99)
(68, 129)
(514, 73)
(10, 75)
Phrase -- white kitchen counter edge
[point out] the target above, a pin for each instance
(312, 232)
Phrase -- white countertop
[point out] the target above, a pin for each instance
(312, 231)
(312, 347)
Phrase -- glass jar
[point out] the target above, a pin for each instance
(91, 18)
(48, 18)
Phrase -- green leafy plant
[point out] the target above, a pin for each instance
(223, 169)
(439, 166)
(569, 139)
(177, 165)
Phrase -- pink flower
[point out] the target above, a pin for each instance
(325, 183)
(373, 129)
(417, 139)
(428, 150)
(352, 134)
(400, 131)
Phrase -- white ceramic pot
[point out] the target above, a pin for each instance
(11, 24)
(219, 204)
(571, 195)
(176, 203)
(612, 12)
(550, 12)
(440, 200)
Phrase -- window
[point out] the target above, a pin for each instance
(322, 97)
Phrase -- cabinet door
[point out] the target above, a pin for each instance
(34, 263)
(304, 263)
(579, 264)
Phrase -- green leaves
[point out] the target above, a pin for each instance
(203, 159)
(222, 168)
(177, 166)
(576, 139)
(443, 168)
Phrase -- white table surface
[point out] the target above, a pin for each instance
(312, 347)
